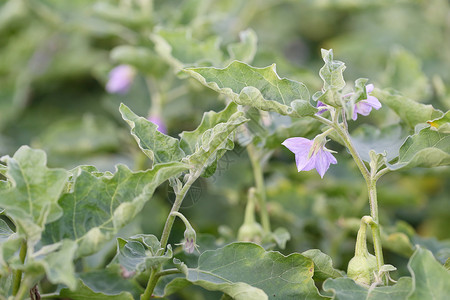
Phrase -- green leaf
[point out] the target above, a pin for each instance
(261, 88)
(179, 49)
(323, 266)
(427, 148)
(189, 139)
(139, 253)
(441, 124)
(410, 111)
(245, 50)
(31, 199)
(430, 279)
(331, 72)
(100, 205)
(247, 271)
(5, 231)
(159, 147)
(348, 289)
(56, 261)
(212, 143)
(83, 292)
(387, 140)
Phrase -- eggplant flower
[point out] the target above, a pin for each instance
(310, 154)
(120, 79)
(364, 107)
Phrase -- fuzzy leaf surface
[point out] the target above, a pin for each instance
(159, 147)
(32, 195)
(100, 205)
(247, 271)
(348, 289)
(430, 279)
(410, 111)
(427, 148)
(139, 253)
(261, 88)
(323, 266)
(212, 143)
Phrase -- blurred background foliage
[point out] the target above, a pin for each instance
(54, 62)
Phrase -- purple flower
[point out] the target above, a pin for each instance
(310, 154)
(159, 122)
(364, 107)
(321, 110)
(120, 79)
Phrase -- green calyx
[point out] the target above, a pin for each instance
(363, 266)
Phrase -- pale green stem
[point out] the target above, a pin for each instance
(153, 279)
(255, 160)
(371, 187)
(175, 207)
(18, 274)
(24, 289)
(183, 218)
(249, 217)
(151, 284)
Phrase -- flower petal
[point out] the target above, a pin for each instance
(297, 144)
(323, 160)
(363, 108)
(369, 88)
(372, 101)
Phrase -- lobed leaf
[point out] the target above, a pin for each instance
(212, 143)
(100, 205)
(247, 271)
(323, 266)
(348, 289)
(56, 261)
(410, 111)
(332, 72)
(31, 197)
(261, 88)
(430, 279)
(427, 148)
(159, 147)
(140, 252)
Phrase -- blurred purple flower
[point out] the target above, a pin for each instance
(364, 107)
(120, 79)
(158, 122)
(310, 154)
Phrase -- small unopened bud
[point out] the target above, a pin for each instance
(252, 232)
(189, 240)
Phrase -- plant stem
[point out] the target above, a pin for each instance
(168, 272)
(151, 284)
(255, 160)
(25, 287)
(175, 207)
(371, 180)
(153, 279)
(18, 274)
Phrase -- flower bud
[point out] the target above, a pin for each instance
(363, 266)
(362, 269)
(189, 240)
(252, 232)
